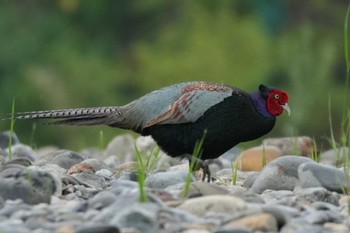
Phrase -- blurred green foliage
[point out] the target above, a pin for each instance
(74, 53)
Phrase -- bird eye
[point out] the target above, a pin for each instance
(277, 96)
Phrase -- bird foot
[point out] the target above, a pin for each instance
(200, 164)
(206, 172)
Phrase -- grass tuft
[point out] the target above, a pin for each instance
(197, 153)
(146, 168)
(153, 159)
(141, 176)
(234, 167)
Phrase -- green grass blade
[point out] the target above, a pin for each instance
(153, 159)
(141, 176)
(263, 159)
(234, 168)
(314, 152)
(139, 158)
(346, 53)
(101, 140)
(332, 139)
(346, 39)
(12, 128)
(333, 142)
(32, 135)
(197, 152)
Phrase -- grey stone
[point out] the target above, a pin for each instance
(120, 186)
(67, 179)
(227, 158)
(280, 197)
(132, 176)
(215, 165)
(46, 151)
(204, 188)
(143, 217)
(92, 153)
(1, 202)
(31, 186)
(91, 180)
(258, 222)
(35, 221)
(248, 183)
(97, 228)
(66, 158)
(20, 150)
(5, 139)
(11, 170)
(20, 161)
(122, 146)
(320, 205)
(162, 180)
(280, 174)
(107, 174)
(2, 160)
(145, 143)
(224, 172)
(337, 227)
(165, 162)
(13, 226)
(246, 195)
(78, 192)
(177, 220)
(219, 204)
(127, 194)
(318, 194)
(318, 175)
(282, 213)
(12, 206)
(125, 198)
(55, 171)
(334, 157)
(301, 145)
(96, 164)
(312, 216)
(231, 155)
(112, 162)
(126, 168)
(123, 201)
(234, 230)
(195, 231)
(303, 228)
(102, 200)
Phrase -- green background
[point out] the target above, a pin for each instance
(74, 53)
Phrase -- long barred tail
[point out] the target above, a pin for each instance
(76, 116)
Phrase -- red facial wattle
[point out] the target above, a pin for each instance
(277, 101)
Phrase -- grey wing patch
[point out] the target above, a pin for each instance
(176, 104)
(193, 102)
(143, 110)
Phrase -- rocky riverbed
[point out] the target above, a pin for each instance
(57, 190)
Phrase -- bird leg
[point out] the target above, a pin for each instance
(198, 163)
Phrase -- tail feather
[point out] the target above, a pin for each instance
(97, 120)
(76, 116)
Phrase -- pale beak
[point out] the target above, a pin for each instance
(286, 107)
